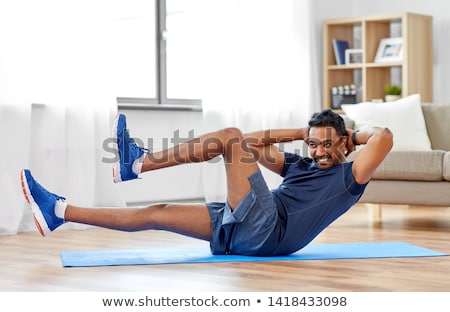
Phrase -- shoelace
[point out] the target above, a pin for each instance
(133, 143)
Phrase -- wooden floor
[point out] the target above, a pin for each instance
(30, 262)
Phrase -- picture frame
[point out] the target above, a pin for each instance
(353, 56)
(390, 50)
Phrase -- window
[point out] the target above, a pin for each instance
(158, 53)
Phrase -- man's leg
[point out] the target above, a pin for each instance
(187, 219)
(50, 211)
(240, 163)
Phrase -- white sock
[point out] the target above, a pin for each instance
(137, 164)
(60, 208)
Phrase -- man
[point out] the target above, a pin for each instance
(254, 220)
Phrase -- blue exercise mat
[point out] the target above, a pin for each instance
(203, 255)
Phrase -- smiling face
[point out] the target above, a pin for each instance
(326, 147)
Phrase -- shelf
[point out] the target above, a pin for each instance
(413, 73)
(392, 64)
(345, 67)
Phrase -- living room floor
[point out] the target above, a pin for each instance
(32, 263)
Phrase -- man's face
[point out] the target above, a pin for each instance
(326, 147)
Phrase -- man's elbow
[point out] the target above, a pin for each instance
(387, 137)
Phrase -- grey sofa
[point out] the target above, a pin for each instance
(415, 177)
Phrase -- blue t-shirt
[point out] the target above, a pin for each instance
(309, 199)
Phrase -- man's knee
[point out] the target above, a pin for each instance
(230, 139)
(232, 133)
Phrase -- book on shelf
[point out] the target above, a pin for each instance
(339, 47)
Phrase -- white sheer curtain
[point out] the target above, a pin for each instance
(59, 56)
(261, 72)
(56, 104)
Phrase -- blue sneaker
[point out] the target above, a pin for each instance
(130, 155)
(42, 203)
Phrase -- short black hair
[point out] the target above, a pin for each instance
(328, 118)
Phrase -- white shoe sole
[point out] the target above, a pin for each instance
(116, 167)
(39, 219)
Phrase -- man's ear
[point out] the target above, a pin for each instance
(343, 149)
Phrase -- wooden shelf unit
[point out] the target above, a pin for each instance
(413, 73)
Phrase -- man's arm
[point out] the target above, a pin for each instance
(261, 143)
(378, 142)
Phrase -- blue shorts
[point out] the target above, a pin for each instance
(253, 228)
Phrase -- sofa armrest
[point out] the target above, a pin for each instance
(436, 120)
(446, 167)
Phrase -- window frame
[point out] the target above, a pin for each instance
(161, 102)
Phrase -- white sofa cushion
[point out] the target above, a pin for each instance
(403, 117)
